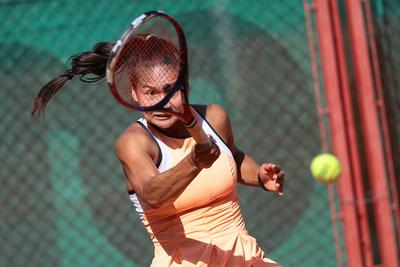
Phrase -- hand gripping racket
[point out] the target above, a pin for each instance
(153, 48)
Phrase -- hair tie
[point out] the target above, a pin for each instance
(68, 74)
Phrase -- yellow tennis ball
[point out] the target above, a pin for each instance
(325, 168)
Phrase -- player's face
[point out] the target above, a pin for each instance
(152, 88)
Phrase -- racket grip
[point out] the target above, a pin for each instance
(197, 132)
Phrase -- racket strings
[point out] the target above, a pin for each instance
(148, 58)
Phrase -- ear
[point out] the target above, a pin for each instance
(134, 95)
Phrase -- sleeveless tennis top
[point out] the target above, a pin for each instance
(204, 225)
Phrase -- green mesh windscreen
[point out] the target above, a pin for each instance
(63, 200)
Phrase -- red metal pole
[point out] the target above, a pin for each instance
(334, 74)
(335, 216)
(352, 139)
(382, 111)
(374, 148)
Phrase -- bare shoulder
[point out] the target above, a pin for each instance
(217, 115)
(214, 113)
(134, 140)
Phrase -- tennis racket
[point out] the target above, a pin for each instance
(153, 47)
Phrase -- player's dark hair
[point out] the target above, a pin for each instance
(89, 65)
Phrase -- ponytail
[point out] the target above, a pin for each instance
(90, 65)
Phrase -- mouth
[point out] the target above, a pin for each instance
(162, 116)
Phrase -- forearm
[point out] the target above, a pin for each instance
(268, 176)
(247, 169)
(167, 186)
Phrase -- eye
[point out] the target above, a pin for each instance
(150, 92)
(167, 88)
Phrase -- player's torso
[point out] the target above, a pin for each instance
(209, 185)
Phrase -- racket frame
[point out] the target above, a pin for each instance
(182, 79)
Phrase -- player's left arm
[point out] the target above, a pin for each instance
(271, 175)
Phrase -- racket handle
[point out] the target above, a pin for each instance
(197, 132)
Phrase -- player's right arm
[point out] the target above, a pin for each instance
(138, 153)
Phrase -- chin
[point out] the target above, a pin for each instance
(164, 124)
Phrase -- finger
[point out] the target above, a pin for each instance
(279, 189)
(267, 167)
(272, 167)
(277, 168)
(281, 185)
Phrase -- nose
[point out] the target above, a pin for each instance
(166, 89)
(168, 105)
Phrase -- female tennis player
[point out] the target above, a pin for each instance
(185, 193)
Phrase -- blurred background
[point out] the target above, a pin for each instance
(298, 78)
